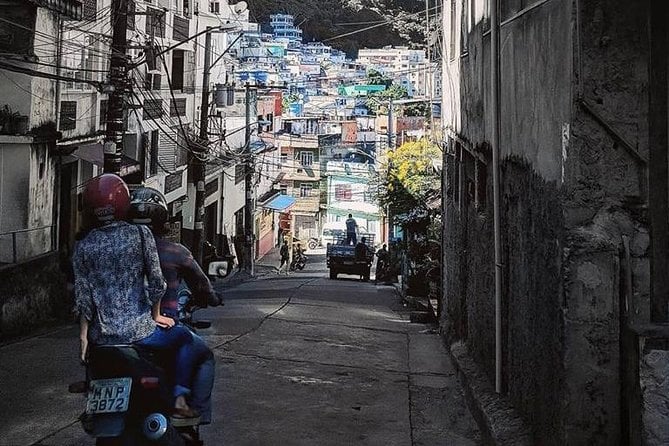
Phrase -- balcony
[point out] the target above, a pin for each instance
(295, 171)
(72, 9)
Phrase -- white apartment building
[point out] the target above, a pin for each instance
(407, 67)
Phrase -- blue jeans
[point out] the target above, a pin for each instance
(203, 379)
(180, 340)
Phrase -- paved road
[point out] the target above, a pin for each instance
(301, 360)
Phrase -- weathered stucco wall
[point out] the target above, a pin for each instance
(31, 294)
(533, 241)
(535, 98)
(654, 370)
(571, 191)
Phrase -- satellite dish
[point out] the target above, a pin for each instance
(240, 7)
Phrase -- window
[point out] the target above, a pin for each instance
(178, 107)
(451, 50)
(464, 28)
(180, 28)
(155, 22)
(177, 77)
(343, 192)
(307, 158)
(283, 189)
(103, 112)
(131, 15)
(153, 153)
(68, 115)
(284, 158)
(153, 108)
(90, 9)
(214, 7)
(152, 81)
(305, 190)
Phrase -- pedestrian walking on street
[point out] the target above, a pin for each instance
(285, 258)
(351, 229)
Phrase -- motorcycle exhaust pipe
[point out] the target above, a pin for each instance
(155, 426)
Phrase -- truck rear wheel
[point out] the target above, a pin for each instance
(333, 274)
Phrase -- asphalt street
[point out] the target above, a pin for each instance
(301, 360)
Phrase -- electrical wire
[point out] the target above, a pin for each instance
(367, 28)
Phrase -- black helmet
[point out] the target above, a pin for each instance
(148, 207)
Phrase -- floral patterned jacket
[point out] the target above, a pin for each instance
(110, 267)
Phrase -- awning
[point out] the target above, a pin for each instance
(280, 203)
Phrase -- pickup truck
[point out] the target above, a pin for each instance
(341, 258)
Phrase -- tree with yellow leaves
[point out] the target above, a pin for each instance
(411, 179)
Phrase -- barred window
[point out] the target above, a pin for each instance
(153, 108)
(178, 107)
(90, 9)
(68, 115)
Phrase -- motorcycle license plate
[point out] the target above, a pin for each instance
(108, 395)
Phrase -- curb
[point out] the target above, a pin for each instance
(499, 422)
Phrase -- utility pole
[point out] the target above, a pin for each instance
(197, 164)
(391, 142)
(391, 146)
(428, 67)
(118, 76)
(249, 208)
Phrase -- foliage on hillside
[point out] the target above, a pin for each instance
(323, 19)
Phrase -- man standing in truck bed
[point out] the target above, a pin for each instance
(351, 228)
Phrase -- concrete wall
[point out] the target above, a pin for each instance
(43, 282)
(42, 195)
(654, 369)
(233, 200)
(570, 191)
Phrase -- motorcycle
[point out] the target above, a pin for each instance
(215, 265)
(299, 262)
(129, 392)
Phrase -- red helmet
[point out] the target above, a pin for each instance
(106, 198)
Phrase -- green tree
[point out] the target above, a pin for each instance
(411, 179)
(375, 77)
(410, 185)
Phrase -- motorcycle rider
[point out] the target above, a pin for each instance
(382, 262)
(148, 206)
(298, 257)
(114, 306)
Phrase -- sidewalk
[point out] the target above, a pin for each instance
(265, 265)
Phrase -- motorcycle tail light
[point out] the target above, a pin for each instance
(150, 382)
